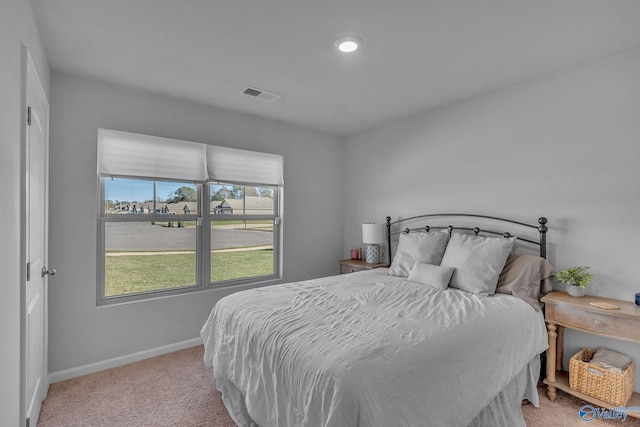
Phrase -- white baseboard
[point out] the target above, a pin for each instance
(66, 374)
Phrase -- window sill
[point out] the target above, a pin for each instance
(171, 293)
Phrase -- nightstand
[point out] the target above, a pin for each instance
(564, 311)
(353, 265)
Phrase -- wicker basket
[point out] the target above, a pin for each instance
(610, 387)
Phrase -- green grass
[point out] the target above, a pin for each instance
(237, 265)
(129, 274)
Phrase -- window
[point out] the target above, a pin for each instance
(243, 220)
(184, 229)
(150, 237)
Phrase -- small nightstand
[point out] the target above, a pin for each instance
(353, 265)
(563, 311)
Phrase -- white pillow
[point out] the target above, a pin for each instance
(477, 261)
(418, 247)
(436, 276)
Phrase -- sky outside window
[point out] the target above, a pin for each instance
(129, 190)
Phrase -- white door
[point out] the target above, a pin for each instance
(34, 321)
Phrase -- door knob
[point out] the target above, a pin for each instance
(50, 272)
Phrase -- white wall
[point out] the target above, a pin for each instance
(17, 29)
(565, 146)
(80, 333)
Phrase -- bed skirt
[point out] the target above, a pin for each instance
(505, 410)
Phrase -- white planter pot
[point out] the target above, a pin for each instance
(575, 291)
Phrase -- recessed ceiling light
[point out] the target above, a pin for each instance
(348, 44)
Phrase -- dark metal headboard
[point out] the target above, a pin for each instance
(541, 226)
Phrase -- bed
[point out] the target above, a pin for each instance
(422, 343)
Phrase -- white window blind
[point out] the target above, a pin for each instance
(144, 156)
(249, 167)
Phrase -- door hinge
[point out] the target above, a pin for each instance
(28, 116)
(28, 272)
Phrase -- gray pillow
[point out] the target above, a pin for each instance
(436, 276)
(477, 260)
(425, 247)
(527, 277)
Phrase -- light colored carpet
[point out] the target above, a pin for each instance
(177, 390)
(170, 390)
(564, 413)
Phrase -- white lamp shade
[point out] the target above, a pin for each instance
(372, 233)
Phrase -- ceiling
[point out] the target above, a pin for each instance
(416, 54)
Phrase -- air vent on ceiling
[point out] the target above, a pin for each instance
(260, 94)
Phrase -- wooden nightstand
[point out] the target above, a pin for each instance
(353, 265)
(563, 311)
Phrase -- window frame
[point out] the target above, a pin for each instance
(208, 218)
(203, 220)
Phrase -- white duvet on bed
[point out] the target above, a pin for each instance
(366, 349)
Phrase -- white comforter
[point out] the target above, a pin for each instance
(366, 349)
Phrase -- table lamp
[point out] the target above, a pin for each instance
(372, 236)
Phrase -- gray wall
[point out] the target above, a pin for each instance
(565, 146)
(17, 28)
(79, 332)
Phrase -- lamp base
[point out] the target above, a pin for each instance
(372, 254)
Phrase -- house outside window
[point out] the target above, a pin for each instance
(161, 235)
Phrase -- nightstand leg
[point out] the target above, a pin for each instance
(559, 348)
(551, 361)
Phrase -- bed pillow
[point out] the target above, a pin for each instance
(527, 277)
(435, 276)
(425, 247)
(477, 261)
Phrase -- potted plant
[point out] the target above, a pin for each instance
(576, 279)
